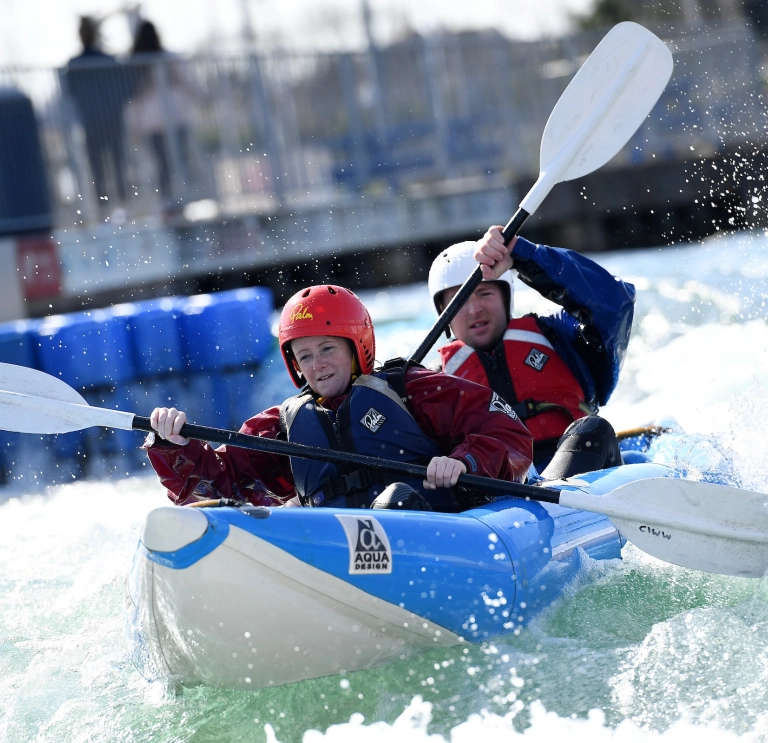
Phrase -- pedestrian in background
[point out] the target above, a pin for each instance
(98, 88)
(161, 111)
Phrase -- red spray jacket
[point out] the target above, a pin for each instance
(468, 422)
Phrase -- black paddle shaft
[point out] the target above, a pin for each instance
(461, 296)
(286, 448)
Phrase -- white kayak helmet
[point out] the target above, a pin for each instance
(453, 267)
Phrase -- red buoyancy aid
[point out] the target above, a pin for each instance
(547, 395)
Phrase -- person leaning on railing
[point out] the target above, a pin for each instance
(99, 87)
(160, 112)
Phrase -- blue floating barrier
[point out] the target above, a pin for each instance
(121, 446)
(163, 392)
(200, 333)
(9, 447)
(56, 358)
(119, 363)
(142, 398)
(241, 391)
(271, 383)
(156, 337)
(138, 356)
(87, 349)
(128, 398)
(204, 399)
(17, 344)
(257, 305)
(69, 445)
(98, 440)
(227, 330)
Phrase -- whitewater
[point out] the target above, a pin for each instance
(636, 650)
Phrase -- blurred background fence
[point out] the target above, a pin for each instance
(158, 136)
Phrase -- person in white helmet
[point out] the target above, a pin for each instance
(552, 370)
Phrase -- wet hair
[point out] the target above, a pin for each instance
(147, 39)
(89, 31)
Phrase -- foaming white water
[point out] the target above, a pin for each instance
(64, 554)
(727, 365)
(61, 548)
(545, 727)
(699, 346)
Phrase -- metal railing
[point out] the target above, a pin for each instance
(165, 138)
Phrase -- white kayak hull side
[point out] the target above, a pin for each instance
(263, 619)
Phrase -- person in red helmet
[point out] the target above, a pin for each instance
(327, 341)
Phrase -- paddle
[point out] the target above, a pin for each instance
(650, 430)
(602, 107)
(32, 401)
(662, 516)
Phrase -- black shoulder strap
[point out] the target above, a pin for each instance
(306, 389)
(397, 364)
(394, 374)
(497, 372)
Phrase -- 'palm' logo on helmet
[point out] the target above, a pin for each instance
(300, 312)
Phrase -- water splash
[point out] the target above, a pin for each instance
(642, 641)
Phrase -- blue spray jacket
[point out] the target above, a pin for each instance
(591, 332)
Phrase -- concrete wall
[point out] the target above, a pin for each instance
(365, 240)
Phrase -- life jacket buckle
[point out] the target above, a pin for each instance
(312, 501)
(354, 481)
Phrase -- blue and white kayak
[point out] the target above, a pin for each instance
(256, 597)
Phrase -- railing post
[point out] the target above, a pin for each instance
(264, 110)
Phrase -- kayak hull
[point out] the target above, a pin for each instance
(260, 597)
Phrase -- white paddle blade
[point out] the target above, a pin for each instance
(602, 107)
(34, 402)
(28, 381)
(31, 414)
(698, 525)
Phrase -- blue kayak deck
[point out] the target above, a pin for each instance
(480, 573)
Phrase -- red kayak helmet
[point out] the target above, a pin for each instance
(327, 310)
